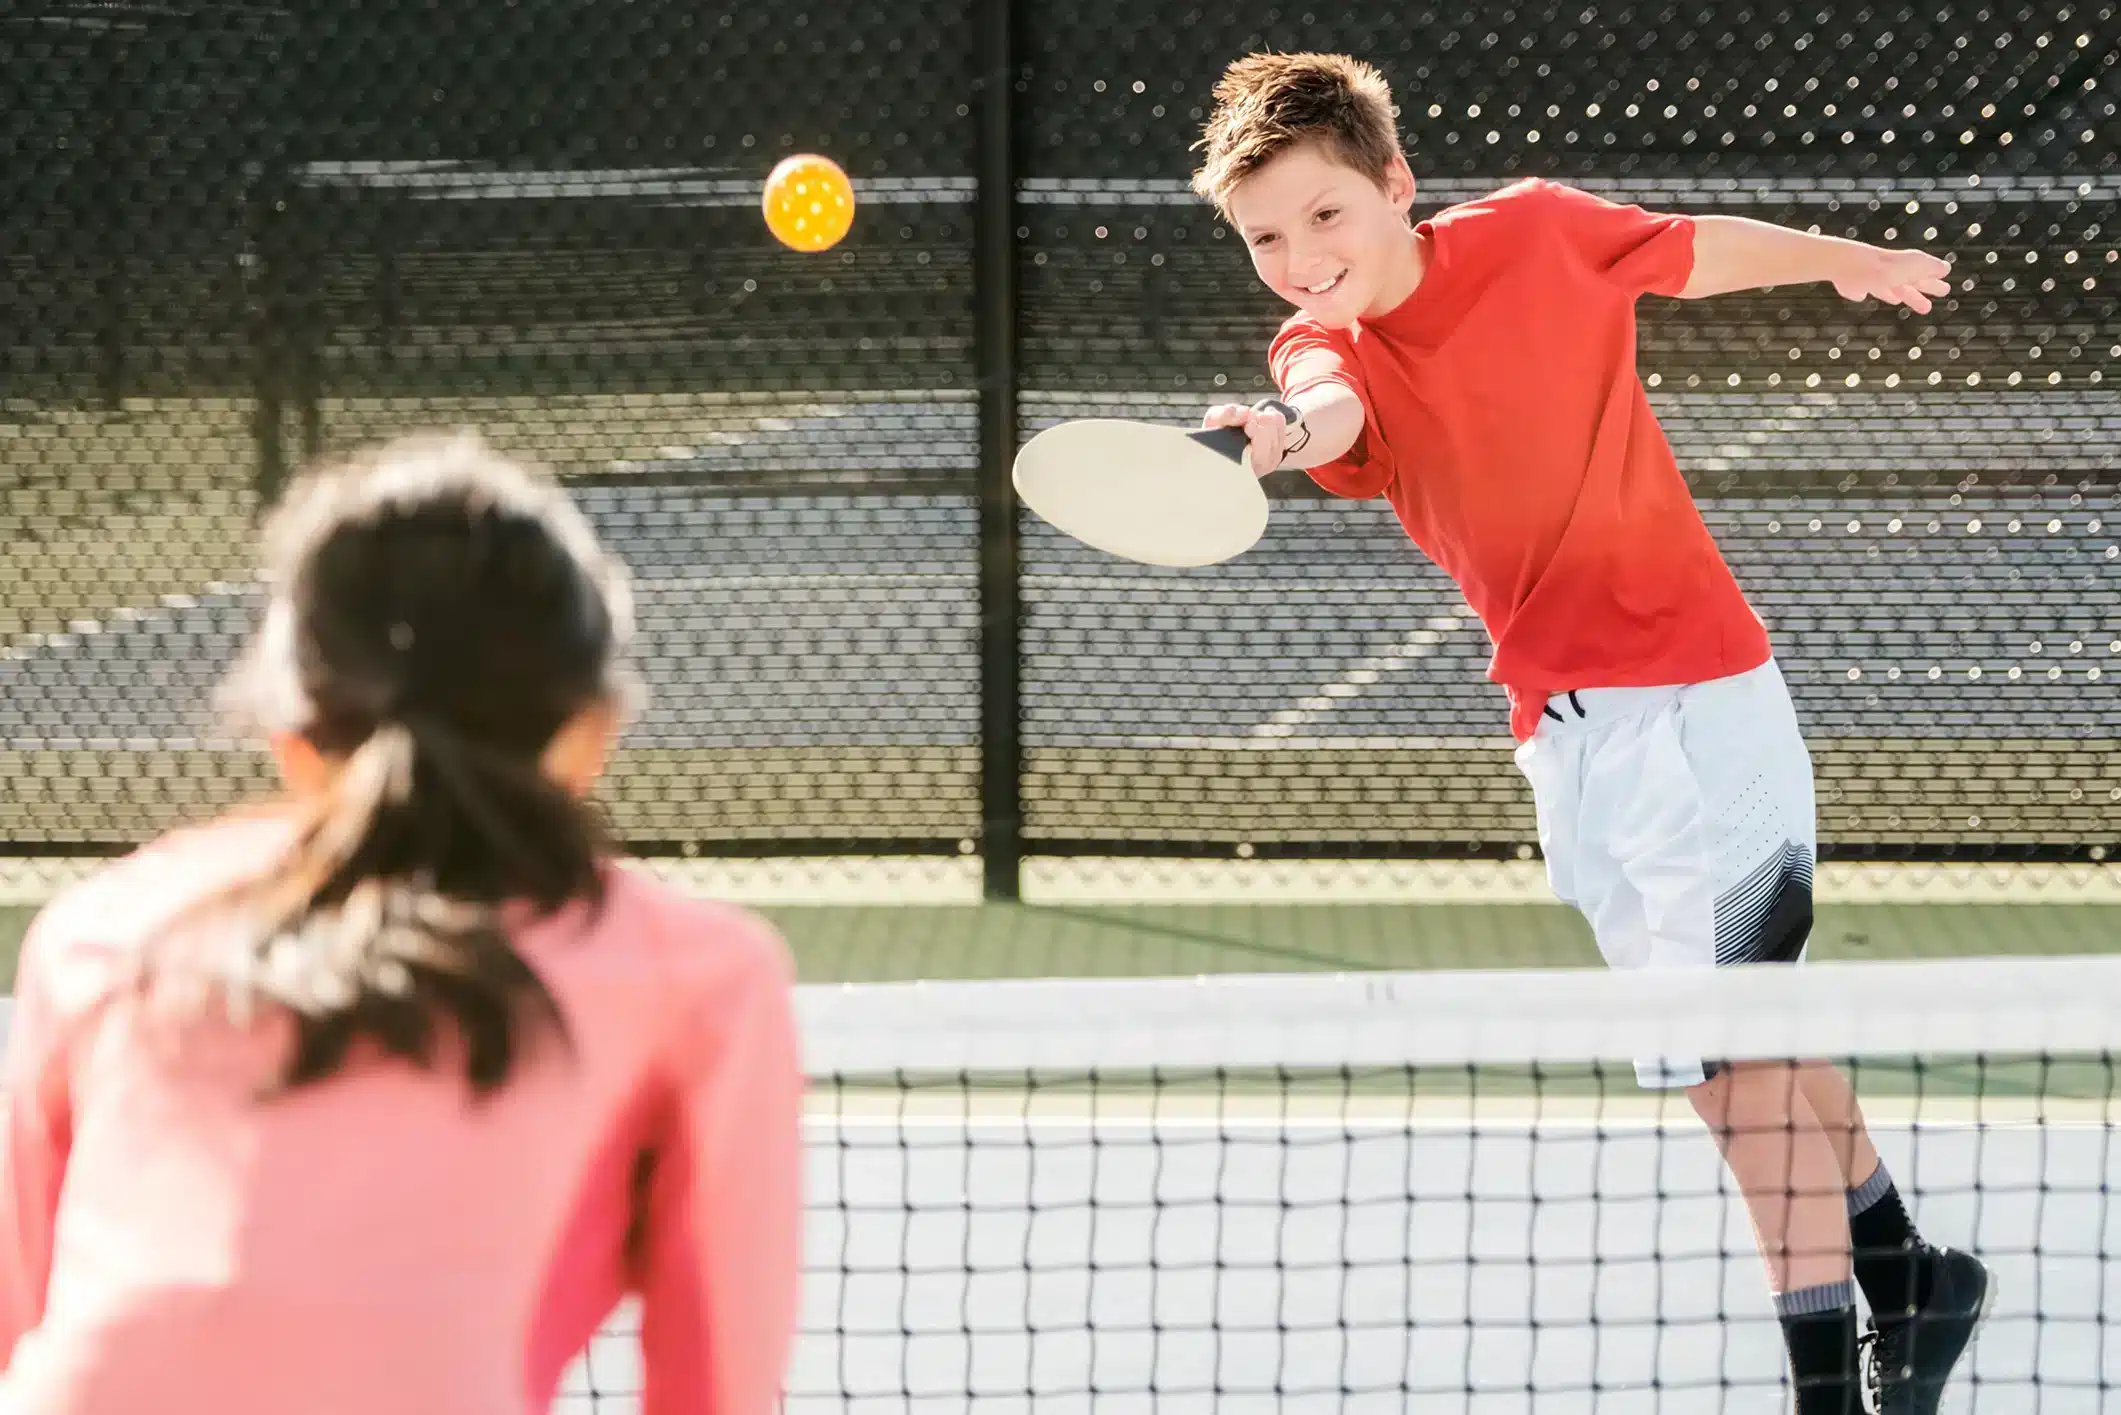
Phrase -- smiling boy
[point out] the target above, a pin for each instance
(1477, 369)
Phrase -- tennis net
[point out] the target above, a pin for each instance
(1415, 1192)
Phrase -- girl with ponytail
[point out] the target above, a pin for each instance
(379, 1099)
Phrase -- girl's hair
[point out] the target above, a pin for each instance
(436, 614)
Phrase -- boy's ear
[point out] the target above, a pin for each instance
(1399, 184)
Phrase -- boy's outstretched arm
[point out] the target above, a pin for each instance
(1736, 253)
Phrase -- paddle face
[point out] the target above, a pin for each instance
(1154, 494)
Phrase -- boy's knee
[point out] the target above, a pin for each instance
(1712, 1098)
(1750, 1095)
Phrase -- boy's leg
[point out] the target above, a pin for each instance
(1833, 1101)
(1787, 1169)
(1681, 822)
(1925, 1302)
(1894, 1267)
(1639, 841)
(1741, 738)
(1785, 1166)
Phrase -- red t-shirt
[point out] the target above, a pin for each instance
(1504, 420)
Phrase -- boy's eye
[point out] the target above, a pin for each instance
(1261, 241)
(1326, 215)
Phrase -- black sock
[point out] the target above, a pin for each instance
(1819, 1327)
(1891, 1259)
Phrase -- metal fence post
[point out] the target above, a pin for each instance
(264, 200)
(994, 313)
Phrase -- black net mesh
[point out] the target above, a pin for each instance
(238, 236)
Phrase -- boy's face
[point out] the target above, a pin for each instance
(1322, 235)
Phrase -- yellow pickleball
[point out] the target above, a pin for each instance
(809, 203)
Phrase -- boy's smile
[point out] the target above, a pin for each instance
(1325, 237)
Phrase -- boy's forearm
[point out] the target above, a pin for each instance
(1736, 253)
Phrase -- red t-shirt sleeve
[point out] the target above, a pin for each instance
(1304, 355)
(1642, 252)
(33, 1150)
(721, 1245)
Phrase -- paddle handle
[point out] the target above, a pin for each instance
(1230, 441)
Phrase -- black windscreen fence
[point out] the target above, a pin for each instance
(236, 237)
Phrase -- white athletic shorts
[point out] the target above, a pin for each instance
(1680, 822)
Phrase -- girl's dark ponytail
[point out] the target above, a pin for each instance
(438, 617)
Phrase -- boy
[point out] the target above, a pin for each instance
(1478, 370)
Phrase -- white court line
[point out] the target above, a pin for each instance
(1264, 576)
(1726, 191)
(702, 186)
(1308, 744)
(1420, 644)
(703, 584)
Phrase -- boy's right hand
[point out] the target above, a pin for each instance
(1266, 433)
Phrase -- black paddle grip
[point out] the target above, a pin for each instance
(1230, 441)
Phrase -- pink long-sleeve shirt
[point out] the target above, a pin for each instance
(378, 1242)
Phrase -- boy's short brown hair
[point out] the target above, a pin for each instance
(1266, 104)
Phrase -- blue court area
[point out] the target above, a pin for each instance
(784, 619)
(808, 581)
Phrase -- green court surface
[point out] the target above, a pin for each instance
(877, 942)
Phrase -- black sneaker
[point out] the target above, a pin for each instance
(1908, 1358)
